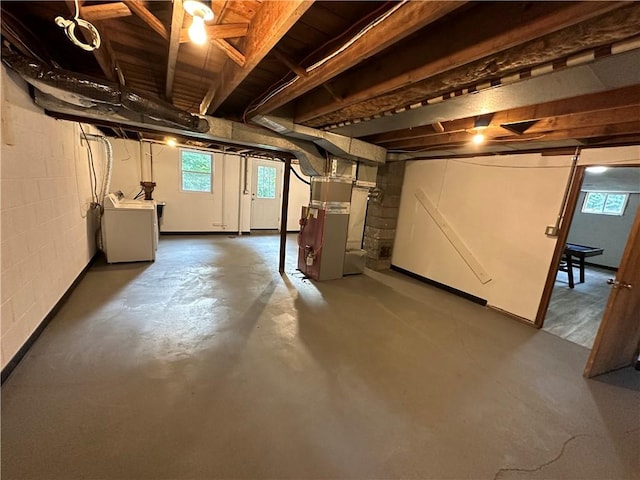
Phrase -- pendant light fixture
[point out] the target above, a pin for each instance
(200, 13)
(479, 125)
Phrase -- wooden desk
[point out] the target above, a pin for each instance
(580, 252)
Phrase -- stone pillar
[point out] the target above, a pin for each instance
(382, 216)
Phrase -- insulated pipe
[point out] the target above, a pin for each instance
(89, 93)
(108, 150)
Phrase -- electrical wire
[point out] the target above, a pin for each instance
(519, 166)
(268, 96)
(299, 177)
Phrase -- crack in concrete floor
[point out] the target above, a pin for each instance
(543, 465)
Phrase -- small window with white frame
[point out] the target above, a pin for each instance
(196, 171)
(605, 203)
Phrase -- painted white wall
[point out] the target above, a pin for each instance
(193, 211)
(499, 206)
(196, 211)
(609, 232)
(298, 196)
(48, 233)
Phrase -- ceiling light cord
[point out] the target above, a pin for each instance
(69, 27)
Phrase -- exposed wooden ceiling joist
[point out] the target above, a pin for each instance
(405, 20)
(460, 138)
(269, 24)
(228, 30)
(231, 51)
(482, 33)
(105, 11)
(592, 104)
(177, 18)
(475, 45)
(137, 7)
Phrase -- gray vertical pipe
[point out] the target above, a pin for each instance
(284, 212)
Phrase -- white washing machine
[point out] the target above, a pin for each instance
(129, 229)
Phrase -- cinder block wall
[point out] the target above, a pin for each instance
(47, 233)
(382, 216)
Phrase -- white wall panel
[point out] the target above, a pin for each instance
(499, 206)
(193, 211)
(500, 212)
(47, 234)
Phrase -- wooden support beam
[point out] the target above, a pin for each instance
(229, 30)
(230, 50)
(105, 11)
(286, 61)
(283, 214)
(301, 72)
(613, 116)
(409, 75)
(451, 140)
(147, 17)
(405, 20)
(593, 104)
(269, 24)
(206, 101)
(177, 18)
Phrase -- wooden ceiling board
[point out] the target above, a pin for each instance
(471, 43)
(302, 42)
(235, 11)
(358, 86)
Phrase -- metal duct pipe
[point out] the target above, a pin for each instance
(220, 130)
(348, 148)
(89, 93)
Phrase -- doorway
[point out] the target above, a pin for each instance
(596, 245)
(266, 194)
(602, 219)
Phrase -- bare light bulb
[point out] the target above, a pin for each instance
(197, 32)
(171, 142)
(478, 138)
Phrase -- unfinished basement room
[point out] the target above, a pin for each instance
(297, 239)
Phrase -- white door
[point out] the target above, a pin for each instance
(266, 194)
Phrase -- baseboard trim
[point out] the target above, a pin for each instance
(228, 232)
(217, 232)
(15, 360)
(604, 267)
(441, 286)
(514, 316)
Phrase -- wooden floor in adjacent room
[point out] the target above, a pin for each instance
(575, 314)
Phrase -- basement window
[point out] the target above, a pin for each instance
(604, 203)
(196, 171)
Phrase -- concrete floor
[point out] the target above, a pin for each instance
(209, 364)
